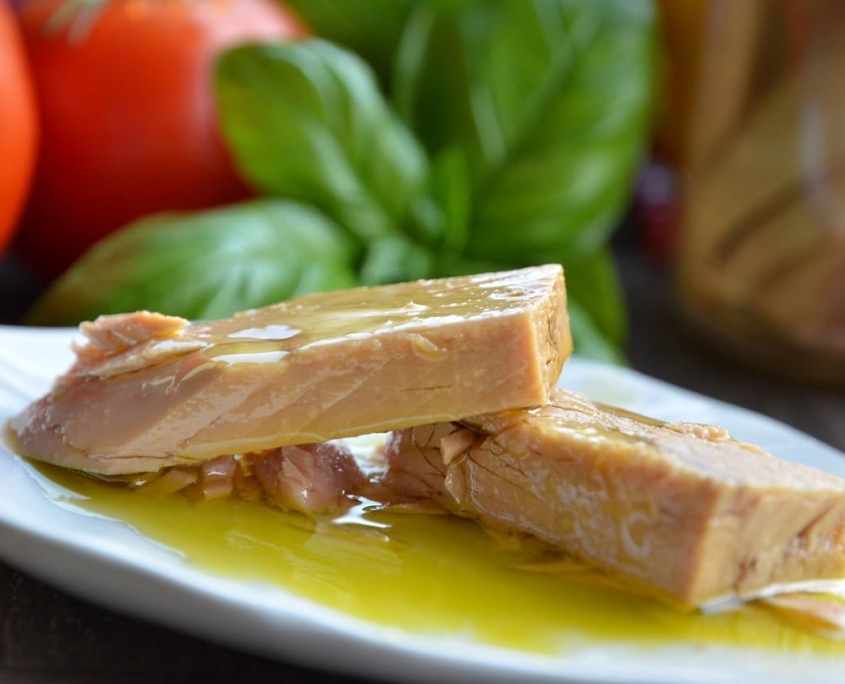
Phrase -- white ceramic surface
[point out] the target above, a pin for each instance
(109, 563)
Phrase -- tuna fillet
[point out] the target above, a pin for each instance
(680, 509)
(150, 391)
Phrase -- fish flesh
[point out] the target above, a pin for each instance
(680, 510)
(315, 479)
(149, 391)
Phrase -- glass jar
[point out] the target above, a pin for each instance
(760, 152)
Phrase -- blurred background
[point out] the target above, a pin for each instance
(201, 157)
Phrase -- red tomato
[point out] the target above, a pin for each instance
(17, 125)
(128, 118)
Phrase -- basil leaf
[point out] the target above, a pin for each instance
(306, 121)
(369, 27)
(204, 265)
(549, 99)
(587, 339)
(594, 282)
(441, 215)
(394, 259)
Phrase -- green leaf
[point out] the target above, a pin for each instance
(549, 99)
(587, 339)
(205, 265)
(594, 282)
(306, 121)
(394, 259)
(440, 216)
(369, 27)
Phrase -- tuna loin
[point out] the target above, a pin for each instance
(681, 509)
(150, 391)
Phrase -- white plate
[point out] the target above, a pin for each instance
(108, 562)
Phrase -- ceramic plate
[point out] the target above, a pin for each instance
(107, 562)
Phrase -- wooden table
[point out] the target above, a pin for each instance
(48, 636)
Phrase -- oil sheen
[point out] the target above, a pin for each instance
(427, 574)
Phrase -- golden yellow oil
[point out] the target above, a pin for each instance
(422, 573)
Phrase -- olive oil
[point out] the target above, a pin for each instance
(426, 574)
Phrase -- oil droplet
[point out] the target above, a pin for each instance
(266, 332)
(426, 349)
(257, 357)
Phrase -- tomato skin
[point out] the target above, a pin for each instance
(18, 125)
(128, 118)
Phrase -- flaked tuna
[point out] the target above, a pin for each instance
(313, 479)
